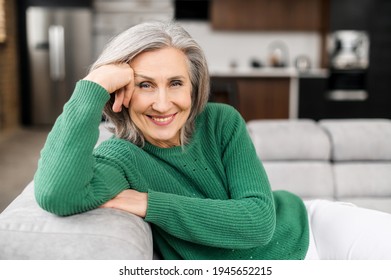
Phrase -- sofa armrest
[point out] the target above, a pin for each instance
(28, 232)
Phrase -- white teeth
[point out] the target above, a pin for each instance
(161, 119)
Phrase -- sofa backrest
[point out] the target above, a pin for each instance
(361, 156)
(359, 139)
(285, 140)
(296, 156)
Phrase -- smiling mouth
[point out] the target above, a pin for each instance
(162, 120)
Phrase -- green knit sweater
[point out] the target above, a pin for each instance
(210, 200)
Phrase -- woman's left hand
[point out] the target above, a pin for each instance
(116, 79)
(131, 201)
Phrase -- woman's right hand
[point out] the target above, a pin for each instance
(117, 79)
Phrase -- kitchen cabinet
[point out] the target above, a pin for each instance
(58, 3)
(312, 97)
(350, 14)
(314, 102)
(264, 98)
(255, 97)
(191, 9)
(272, 15)
(379, 82)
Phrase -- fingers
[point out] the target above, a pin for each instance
(117, 79)
(123, 97)
(128, 92)
(112, 77)
(119, 100)
(124, 94)
(124, 76)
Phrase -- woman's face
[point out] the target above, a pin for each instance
(161, 101)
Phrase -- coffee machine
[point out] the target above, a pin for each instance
(348, 60)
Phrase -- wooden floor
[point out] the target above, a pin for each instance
(19, 154)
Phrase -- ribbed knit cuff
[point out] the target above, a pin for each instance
(90, 93)
(158, 206)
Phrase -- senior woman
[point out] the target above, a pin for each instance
(187, 167)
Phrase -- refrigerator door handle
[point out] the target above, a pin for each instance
(57, 52)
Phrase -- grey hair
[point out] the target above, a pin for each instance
(151, 36)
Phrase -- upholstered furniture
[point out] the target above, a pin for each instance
(346, 160)
(342, 159)
(28, 232)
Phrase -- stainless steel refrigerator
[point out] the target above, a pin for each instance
(60, 52)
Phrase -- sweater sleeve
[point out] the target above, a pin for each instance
(245, 220)
(69, 178)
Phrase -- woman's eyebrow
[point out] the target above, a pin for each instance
(179, 77)
(142, 76)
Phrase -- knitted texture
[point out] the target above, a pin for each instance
(208, 200)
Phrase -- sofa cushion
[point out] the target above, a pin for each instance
(362, 179)
(359, 139)
(317, 182)
(28, 232)
(289, 140)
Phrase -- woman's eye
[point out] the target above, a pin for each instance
(145, 86)
(176, 83)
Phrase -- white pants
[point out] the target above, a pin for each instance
(342, 231)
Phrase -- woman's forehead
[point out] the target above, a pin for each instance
(167, 62)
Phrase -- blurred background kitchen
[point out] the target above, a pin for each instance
(269, 59)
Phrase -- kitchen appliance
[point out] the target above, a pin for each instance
(59, 50)
(348, 52)
(349, 49)
(278, 54)
(303, 63)
(343, 91)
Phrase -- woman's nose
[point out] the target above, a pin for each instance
(162, 103)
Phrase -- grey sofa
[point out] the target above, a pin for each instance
(343, 159)
(347, 160)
